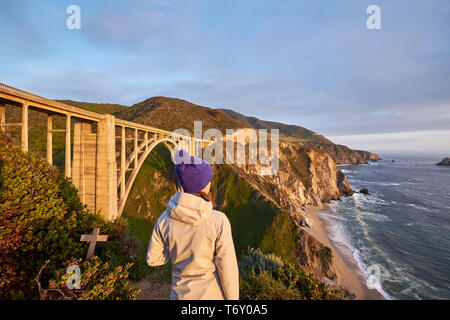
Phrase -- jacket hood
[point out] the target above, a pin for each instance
(189, 208)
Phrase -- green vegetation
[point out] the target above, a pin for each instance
(268, 279)
(255, 259)
(281, 238)
(42, 219)
(250, 214)
(98, 281)
(96, 107)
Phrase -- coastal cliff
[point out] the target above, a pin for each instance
(343, 154)
(306, 176)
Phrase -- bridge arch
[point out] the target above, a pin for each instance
(170, 144)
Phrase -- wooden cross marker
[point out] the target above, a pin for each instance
(92, 239)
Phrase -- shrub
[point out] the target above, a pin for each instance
(256, 260)
(98, 281)
(308, 284)
(263, 286)
(41, 218)
(265, 276)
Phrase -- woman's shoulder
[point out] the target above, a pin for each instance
(219, 216)
(163, 218)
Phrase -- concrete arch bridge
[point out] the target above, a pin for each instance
(103, 154)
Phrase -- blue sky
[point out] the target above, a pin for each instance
(310, 63)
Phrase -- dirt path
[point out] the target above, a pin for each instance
(152, 290)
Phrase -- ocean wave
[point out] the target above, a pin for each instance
(340, 238)
(384, 275)
(364, 201)
(331, 216)
(375, 216)
(419, 207)
(377, 183)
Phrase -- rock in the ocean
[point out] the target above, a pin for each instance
(444, 162)
(364, 191)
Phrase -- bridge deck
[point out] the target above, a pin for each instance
(62, 108)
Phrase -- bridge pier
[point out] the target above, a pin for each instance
(106, 182)
(84, 162)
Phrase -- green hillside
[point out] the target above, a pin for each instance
(171, 114)
(96, 107)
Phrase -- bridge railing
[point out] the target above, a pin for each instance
(85, 114)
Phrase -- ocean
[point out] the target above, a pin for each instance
(399, 235)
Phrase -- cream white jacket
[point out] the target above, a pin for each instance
(198, 242)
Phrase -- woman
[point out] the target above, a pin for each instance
(195, 238)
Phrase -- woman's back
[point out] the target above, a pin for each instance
(197, 240)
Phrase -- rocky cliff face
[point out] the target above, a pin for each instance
(306, 176)
(343, 154)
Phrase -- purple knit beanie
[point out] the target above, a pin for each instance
(193, 173)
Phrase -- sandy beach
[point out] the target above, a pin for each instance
(348, 273)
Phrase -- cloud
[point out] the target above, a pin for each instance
(313, 64)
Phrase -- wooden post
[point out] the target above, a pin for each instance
(122, 165)
(68, 169)
(2, 117)
(50, 139)
(25, 126)
(92, 239)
